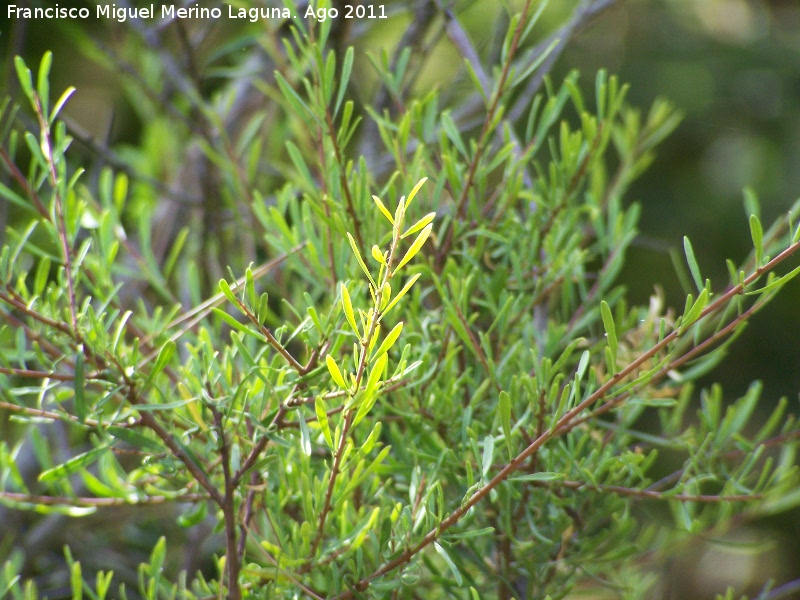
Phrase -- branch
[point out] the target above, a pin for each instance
(565, 424)
(99, 502)
(652, 494)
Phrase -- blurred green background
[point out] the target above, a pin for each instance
(732, 67)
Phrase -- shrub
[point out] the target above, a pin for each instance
(418, 375)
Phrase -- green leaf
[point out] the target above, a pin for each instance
(347, 305)
(757, 233)
(322, 419)
(15, 199)
(424, 221)
(691, 315)
(400, 294)
(42, 83)
(413, 193)
(263, 308)
(305, 435)
(164, 406)
(157, 557)
(24, 76)
(451, 129)
(163, 359)
(336, 374)
(488, 455)
(464, 535)
(692, 262)
(236, 324)
(390, 339)
(360, 260)
(476, 80)
(73, 465)
(79, 387)
(347, 67)
(370, 395)
(751, 204)
(611, 334)
(76, 581)
(194, 515)
(62, 100)
(383, 209)
(136, 439)
(378, 255)
(449, 561)
(295, 101)
(374, 379)
(228, 293)
(415, 247)
(778, 282)
(504, 411)
(300, 165)
(608, 323)
(42, 275)
(543, 476)
(250, 288)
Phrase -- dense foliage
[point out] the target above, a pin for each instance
(377, 347)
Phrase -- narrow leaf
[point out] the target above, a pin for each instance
(608, 323)
(450, 563)
(777, 282)
(424, 221)
(73, 465)
(80, 392)
(692, 262)
(390, 339)
(383, 209)
(374, 379)
(61, 102)
(42, 83)
(378, 255)
(504, 411)
(360, 260)
(136, 439)
(226, 290)
(451, 129)
(488, 455)
(757, 233)
(414, 191)
(194, 515)
(336, 374)
(263, 308)
(305, 435)
(42, 274)
(348, 309)
(164, 357)
(402, 293)
(347, 67)
(543, 476)
(415, 247)
(693, 313)
(236, 324)
(24, 76)
(322, 419)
